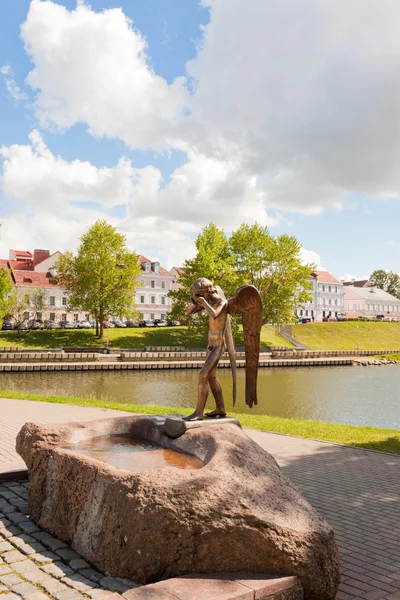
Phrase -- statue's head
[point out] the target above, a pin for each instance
(202, 287)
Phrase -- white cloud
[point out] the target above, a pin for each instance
(34, 174)
(92, 67)
(13, 89)
(311, 257)
(303, 90)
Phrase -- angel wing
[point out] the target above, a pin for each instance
(247, 303)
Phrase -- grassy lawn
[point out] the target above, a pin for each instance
(374, 438)
(343, 335)
(136, 337)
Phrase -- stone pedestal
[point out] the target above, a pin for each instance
(175, 426)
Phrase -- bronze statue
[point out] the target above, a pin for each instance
(247, 302)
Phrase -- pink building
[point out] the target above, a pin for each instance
(151, 297)
(369, 301)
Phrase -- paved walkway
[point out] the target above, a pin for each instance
(358, 492)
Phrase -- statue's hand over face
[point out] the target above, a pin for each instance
(200, 300)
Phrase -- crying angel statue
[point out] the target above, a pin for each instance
(246, 302)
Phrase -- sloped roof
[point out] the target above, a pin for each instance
(32, 279)
(21, 265)
(358, 283)
(325, 277)
(143, 259)
(371, 294)
(23, 253)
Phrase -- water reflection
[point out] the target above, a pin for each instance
(133, 455)
(362, 396)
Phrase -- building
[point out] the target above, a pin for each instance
(33, 272)
(155, 282)
(371, 302)
(327, 297)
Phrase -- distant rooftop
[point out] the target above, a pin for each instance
(325, 277)
(372, 293)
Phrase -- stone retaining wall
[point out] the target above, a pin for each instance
(325, 353)
(124, 366)
(47, 356)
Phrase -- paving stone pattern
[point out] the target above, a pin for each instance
(358, 492)
(36, 566)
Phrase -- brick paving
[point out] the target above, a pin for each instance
(357, 491)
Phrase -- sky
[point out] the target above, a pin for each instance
(162, 116)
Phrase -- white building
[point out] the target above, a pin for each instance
(327, 297)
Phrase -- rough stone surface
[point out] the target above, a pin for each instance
(238, 513)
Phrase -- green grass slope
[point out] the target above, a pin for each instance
(189, 337)
(343, 335)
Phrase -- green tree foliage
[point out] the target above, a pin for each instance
(213, 260)
(5, 290)
(250, 256)
(23, 307)
(274, 267)
(101, 278)
(387, 281)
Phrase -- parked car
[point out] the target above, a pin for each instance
(35, 324)
(7, 325)
(108, 325)
(66, 325)
(173, 323)
(130, 323)
(306, 320)
(85, 325)
(119, 323)
(146, 323)
(51, 324)
(161, 323)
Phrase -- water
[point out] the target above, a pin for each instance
(356, 395)
(132, 455)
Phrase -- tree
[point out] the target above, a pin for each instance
(213, 260)
(101, 278)
(274, 266)
(387, 281)
(250, 256)
(24, 307)
(5, 289)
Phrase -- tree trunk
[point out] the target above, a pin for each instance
(101, 319)
(97, 327)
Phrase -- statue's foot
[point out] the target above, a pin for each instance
(216, 414)
(193, 417)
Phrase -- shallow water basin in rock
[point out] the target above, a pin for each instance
(133, 455)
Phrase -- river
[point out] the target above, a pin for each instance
(356, 395)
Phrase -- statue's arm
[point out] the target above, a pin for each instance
(193, 308)
(212, 312)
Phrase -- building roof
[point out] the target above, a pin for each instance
(22, 253)
(361, 283)
(325, 277)
(32, 279)
(3, 262)
(21, 265)
(162, 271)
(371, 293)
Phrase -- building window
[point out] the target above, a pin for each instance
(301, 313)
(336, 301)
(142, 316)
(152, 316)
(163, 285)
(329, 289)
(152, 299)
(163, 316)
(52, 316)
(76, 317)
(306, 313)
(64, 301)
(52, 301)
(63, 317)
(336, 289)
(330, 301)
(38, 316)
(26, 315)
(323, 288)
(162, 299)
(152, 284)
(141, 299)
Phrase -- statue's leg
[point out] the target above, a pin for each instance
(216, 389)
(203, 385)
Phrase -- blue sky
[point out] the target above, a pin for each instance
(163, 115)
